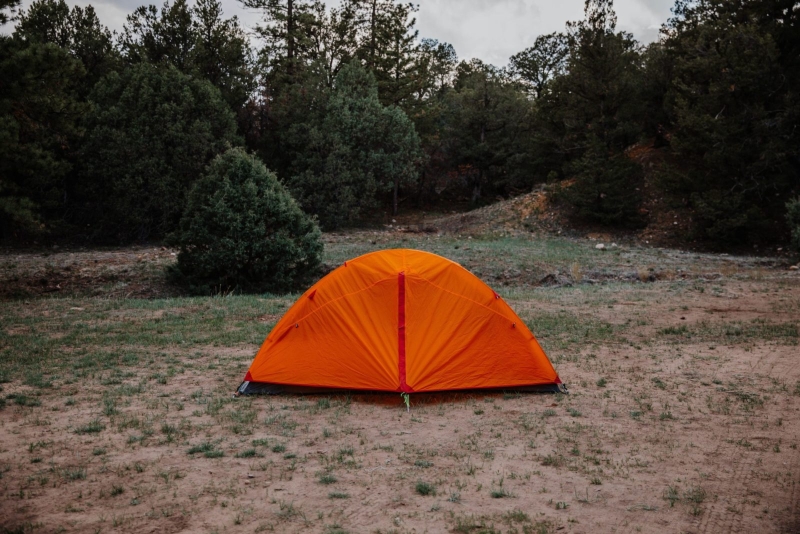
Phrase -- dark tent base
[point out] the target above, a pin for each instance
(264, 388)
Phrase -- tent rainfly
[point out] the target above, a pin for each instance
(403, 321)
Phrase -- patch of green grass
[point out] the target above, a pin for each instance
(92, 427)
(74, 473)
(334, 529)
(471, 524)
(109, 407)
(207, 449)
(23, 400)
(516, 516)
(279, 447)
(338, 495)
(423, 463)
(36, 380)
(674, 330)
(425, 488)
(672, 495)
(327, 479)
(249, 453)
(500, 493)
(553, 460)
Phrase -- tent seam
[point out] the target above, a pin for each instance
(338, 299)
(461, 296)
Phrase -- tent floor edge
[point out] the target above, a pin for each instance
(266, 388)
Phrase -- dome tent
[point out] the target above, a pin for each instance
(403, 321)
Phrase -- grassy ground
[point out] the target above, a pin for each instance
(683, 415)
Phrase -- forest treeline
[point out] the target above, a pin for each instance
(104, 135)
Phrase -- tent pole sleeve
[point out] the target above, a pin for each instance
(401, 331)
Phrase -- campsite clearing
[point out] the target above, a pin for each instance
(683, 415)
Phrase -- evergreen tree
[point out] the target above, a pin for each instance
(168, 35)
(387, 47)
(537, 65)
(196, 40)
(8, 10)
(353, 151)
(435, 67)
(76, 30)
(152, 131)
(734, 108)
(486, 118)
(39, 114)
(599, 104)
(242, 231)
(287, 31)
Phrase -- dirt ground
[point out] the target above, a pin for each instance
(683, 411)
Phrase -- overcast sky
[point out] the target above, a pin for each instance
(491, 30)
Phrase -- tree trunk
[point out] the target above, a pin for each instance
(290, 35)
(394, 195)
(476, 188)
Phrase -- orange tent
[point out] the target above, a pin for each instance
(399, 320)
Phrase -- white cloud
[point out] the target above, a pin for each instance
(491, 30)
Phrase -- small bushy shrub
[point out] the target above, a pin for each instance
(242, 231)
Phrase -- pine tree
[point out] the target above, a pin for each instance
(598, 101)
(39, 127)
(486, 116)
(165, 36)
(197, 41)
(288, 31)
(387, 47)
(8, 10)
(733, 107)
(76, 30)
(242, 231)
(152, 131)
(353, 150)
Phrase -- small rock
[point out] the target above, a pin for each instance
(794, 267)
(250, 475)
(600, 246)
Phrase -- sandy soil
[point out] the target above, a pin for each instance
(684, 419)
